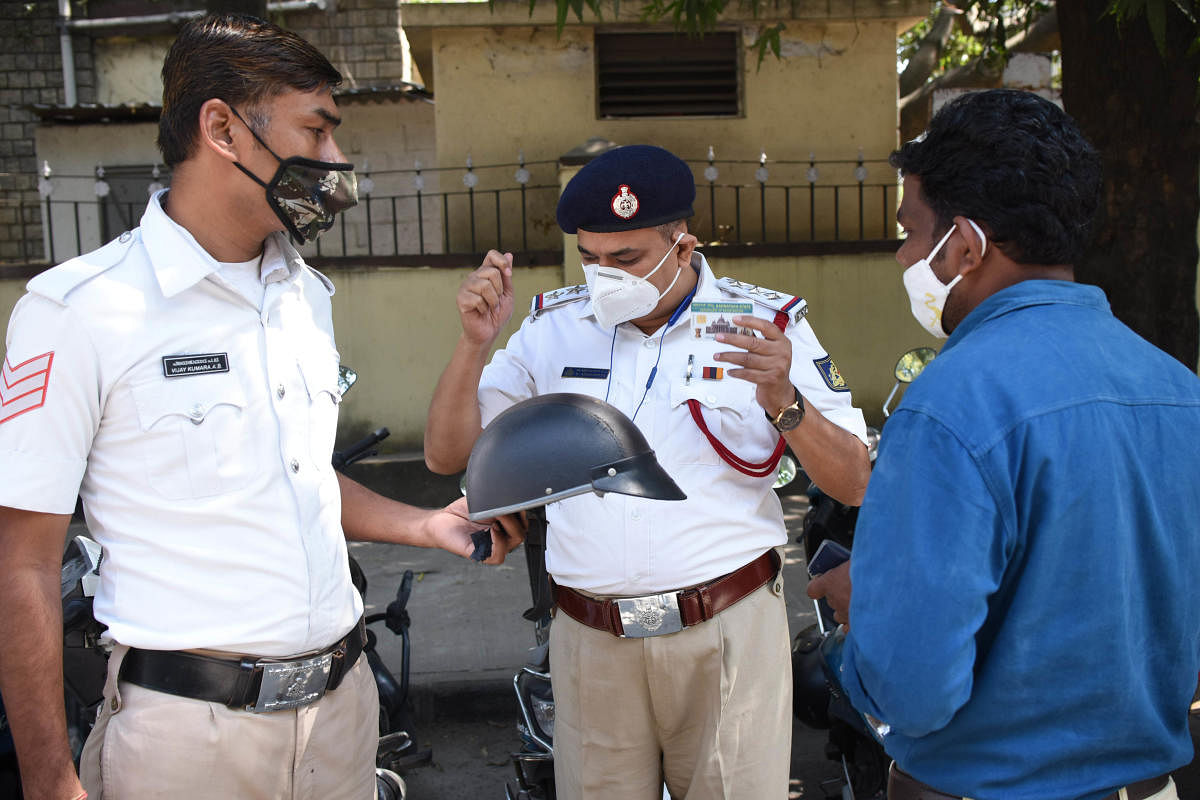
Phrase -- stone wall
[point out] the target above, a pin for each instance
(30, 73)
(363, 39)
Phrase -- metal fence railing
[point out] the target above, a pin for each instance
(508, 206)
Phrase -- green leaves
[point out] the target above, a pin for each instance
(1156, 12)
(768, 39)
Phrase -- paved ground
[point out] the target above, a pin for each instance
(468, 640)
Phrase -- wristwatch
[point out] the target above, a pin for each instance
(789, 416)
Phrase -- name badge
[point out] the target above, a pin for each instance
(593, 373)
(200, 364)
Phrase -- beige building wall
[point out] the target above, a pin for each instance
(129, 70)
(832, 94)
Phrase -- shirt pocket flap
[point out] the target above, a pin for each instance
(727, 394)
(192, 398)
(321, 375)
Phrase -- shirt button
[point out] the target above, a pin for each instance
(636, 515)
(295, 465)
(196, 415)
(649, 343)
(280, 391)
(712, 400)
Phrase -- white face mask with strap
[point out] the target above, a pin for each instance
(926, 293)
(617, 296)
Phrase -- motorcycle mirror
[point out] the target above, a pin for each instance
(912, 363)
(786, 472)
(347, 377)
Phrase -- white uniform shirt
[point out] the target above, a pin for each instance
(624, 545)
(207, 480)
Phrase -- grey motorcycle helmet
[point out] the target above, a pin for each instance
(555, 446)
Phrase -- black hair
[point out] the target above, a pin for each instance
(1015, 163)
(240, 59)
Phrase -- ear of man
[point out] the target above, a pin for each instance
(219, 133)
(685, 247)
(971, 246)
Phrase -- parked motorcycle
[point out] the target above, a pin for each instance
(818, 700)
(534, 763)
(85, 653)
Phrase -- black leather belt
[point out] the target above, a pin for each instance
(902, 786)
(262, 684)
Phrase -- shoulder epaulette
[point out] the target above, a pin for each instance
(56, 283)
(559, 297)
(792, 305)
(328, 284)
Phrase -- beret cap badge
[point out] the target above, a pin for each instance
(601, 198)
(624, 203)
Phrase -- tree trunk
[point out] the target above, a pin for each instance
(1139, 109)
(924, 60)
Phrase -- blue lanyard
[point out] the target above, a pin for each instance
(675, 315)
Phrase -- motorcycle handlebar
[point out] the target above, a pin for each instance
(360, 449)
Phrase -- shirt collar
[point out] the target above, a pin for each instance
(1023, 295)
(179, 262)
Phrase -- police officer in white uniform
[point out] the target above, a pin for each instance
(690, 684)
(183, 380)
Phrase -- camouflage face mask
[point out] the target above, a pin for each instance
(304, 193)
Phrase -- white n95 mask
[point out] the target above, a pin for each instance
(618, 296)
(926, 293)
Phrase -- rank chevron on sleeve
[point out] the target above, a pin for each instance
(23, 387)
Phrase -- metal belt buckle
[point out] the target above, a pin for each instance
(288, 684)
(653, 615)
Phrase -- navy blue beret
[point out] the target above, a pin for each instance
(631, 187)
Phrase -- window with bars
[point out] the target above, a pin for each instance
(667, 75)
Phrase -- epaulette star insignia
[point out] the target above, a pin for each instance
(556, 298)
(792, 305)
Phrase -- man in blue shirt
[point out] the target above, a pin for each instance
(1024, 613)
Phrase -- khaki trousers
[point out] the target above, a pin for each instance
(707, 709)
(148, 745)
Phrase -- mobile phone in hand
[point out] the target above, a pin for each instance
(828, 556)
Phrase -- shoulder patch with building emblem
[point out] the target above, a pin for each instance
(830, 373)
(559, 297)
(793, 306)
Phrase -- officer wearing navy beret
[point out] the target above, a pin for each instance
(670, 649)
